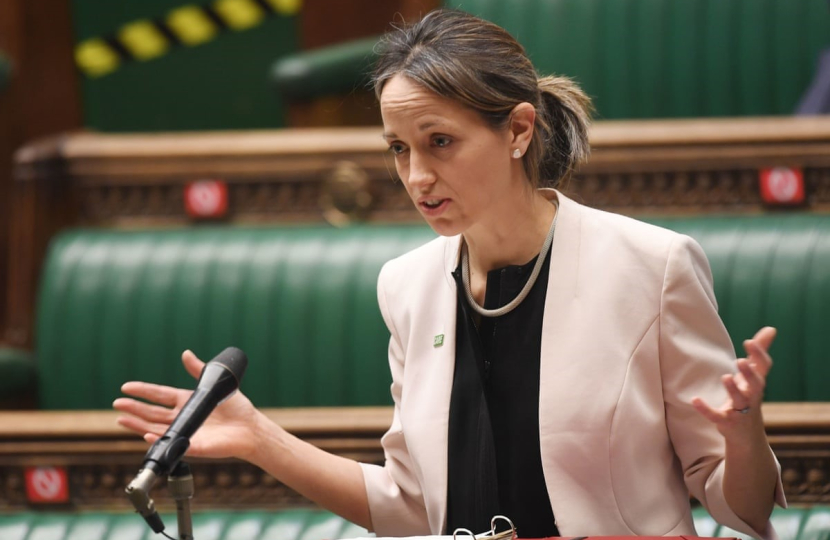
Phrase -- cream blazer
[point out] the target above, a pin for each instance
(631, 334)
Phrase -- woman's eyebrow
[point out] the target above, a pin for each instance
(421, 127)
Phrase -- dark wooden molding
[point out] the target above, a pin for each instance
(101, 458)
(636, 167)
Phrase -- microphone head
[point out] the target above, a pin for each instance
(234, 360)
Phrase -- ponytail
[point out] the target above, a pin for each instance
(560, 142)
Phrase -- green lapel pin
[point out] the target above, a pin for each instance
(438, 340)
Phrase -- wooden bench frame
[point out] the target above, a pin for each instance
(101, 457)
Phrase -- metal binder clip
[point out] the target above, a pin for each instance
(509, 534)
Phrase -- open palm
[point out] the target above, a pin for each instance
(227, 432)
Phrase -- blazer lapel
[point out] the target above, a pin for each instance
(435, 387)
(557, 367)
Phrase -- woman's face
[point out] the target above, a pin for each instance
(455, 167)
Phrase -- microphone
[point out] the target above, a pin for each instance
(219, 379)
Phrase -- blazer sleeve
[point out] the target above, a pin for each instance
(695, 351)
(396, 501)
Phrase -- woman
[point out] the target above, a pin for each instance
(550, 362)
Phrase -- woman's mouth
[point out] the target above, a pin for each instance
(433, 206)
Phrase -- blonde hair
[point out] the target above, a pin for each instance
(481, 66)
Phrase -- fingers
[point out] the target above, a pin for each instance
(140, 426)
(192, 364)
(148, 419)
(146, 411)
(163, 395)
(758, 356)
(765, 336)
(754, 382)
(739, 399)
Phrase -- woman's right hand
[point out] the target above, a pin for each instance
(229, 431)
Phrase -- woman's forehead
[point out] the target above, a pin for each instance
(401, 91)
(406, 102)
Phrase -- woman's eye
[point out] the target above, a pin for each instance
(396, 149)
(441, 142)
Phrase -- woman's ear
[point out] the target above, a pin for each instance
(522, 122)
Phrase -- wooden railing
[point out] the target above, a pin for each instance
(101, 458)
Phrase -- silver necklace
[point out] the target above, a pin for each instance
(507, 308)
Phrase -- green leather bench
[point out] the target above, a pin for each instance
(799, 523)
(790, 523)
(637, 59)
(301, 301)
(214, 525)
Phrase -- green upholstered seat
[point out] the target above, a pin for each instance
(326, 71)
(299, 524)
(301, 301)
(797, 523)
(637, 59)
(790, 523)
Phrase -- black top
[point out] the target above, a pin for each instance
(495, 464)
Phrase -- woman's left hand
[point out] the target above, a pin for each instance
(745, 388)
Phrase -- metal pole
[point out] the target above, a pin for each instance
(180, 485)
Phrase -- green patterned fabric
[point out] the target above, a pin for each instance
(301, 301)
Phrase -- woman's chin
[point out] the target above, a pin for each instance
(444, 227)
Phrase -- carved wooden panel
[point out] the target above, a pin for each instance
(636, 167)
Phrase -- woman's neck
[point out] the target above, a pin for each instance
(513, 236)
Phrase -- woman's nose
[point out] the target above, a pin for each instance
(420, 172)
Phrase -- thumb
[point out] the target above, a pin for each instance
(192, 364)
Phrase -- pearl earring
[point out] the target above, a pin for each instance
(517, 153)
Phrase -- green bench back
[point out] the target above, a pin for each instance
(215, 525)
(790, 523)
(116, 306)
(301, 302)
(662, 58)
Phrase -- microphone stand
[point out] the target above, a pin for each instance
(180, 486)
